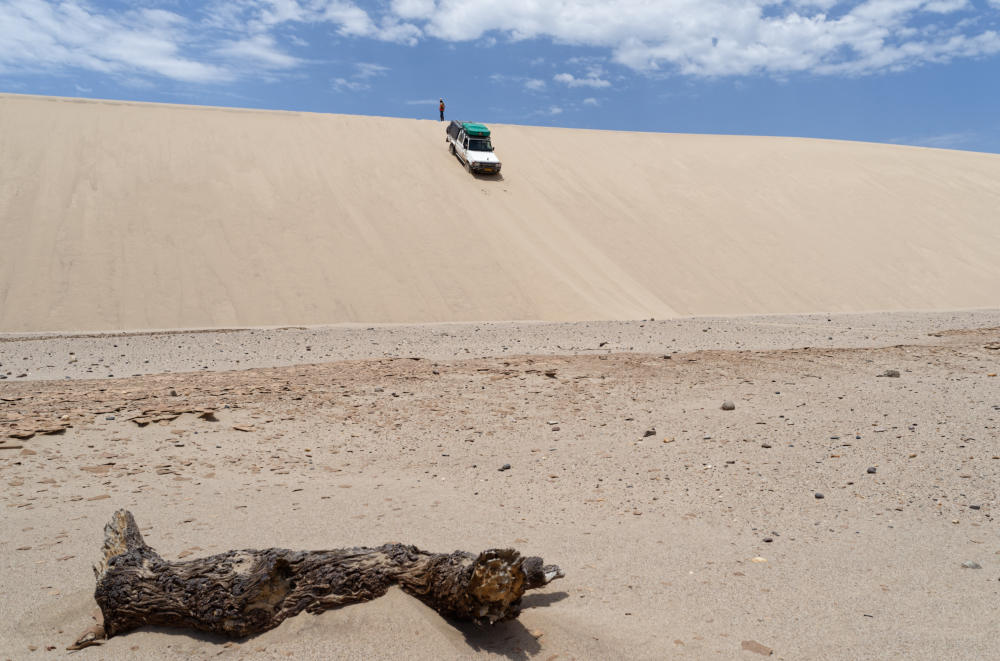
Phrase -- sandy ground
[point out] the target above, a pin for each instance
(685, 531)
(135, 216)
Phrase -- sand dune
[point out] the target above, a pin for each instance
(127, 216)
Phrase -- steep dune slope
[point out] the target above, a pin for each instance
(125, 216)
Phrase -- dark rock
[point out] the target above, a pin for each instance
(728, 406)
(505, 467)
(819, 496)
(768, 540)
(892, 374)
(872, 470)
(974, 507)
(650, 432)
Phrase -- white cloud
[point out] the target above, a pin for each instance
(730, 37)
(555, 110)
(230, 39)
(410, 9)
(42, 36)
(360, 80)
(959, 140)
(367, 70)
(570, 80)
(591, 101)
(345, 85)
(532, 84)
(261, 49)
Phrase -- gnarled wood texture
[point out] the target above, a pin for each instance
(242, 593)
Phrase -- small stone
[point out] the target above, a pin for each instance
(756, 648)
(728, 406)
(974, 507)
(892, 374)
(872, 470)
(768, 540)
(971, 565)
(650, 432)
(766, 446)
(758, 560)
(819, 496)
(505, 467)
(555, 428)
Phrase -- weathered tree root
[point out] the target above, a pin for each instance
(242, 593)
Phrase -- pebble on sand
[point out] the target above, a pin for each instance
(505, 467)
(971, 565)
(755, 647)
(728, 406)
(819, 496)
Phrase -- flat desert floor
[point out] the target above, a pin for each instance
(685, 531)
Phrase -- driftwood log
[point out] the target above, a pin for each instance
(242, 593)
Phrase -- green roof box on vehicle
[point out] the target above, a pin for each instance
(474, 130)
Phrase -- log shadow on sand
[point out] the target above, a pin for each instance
(510, 639)
(542, 600)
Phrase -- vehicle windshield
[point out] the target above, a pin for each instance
(480, 144)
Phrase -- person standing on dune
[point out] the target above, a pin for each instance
(441, 109)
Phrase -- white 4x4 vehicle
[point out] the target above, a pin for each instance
(471, 144)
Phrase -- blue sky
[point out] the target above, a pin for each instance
(922, 72)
